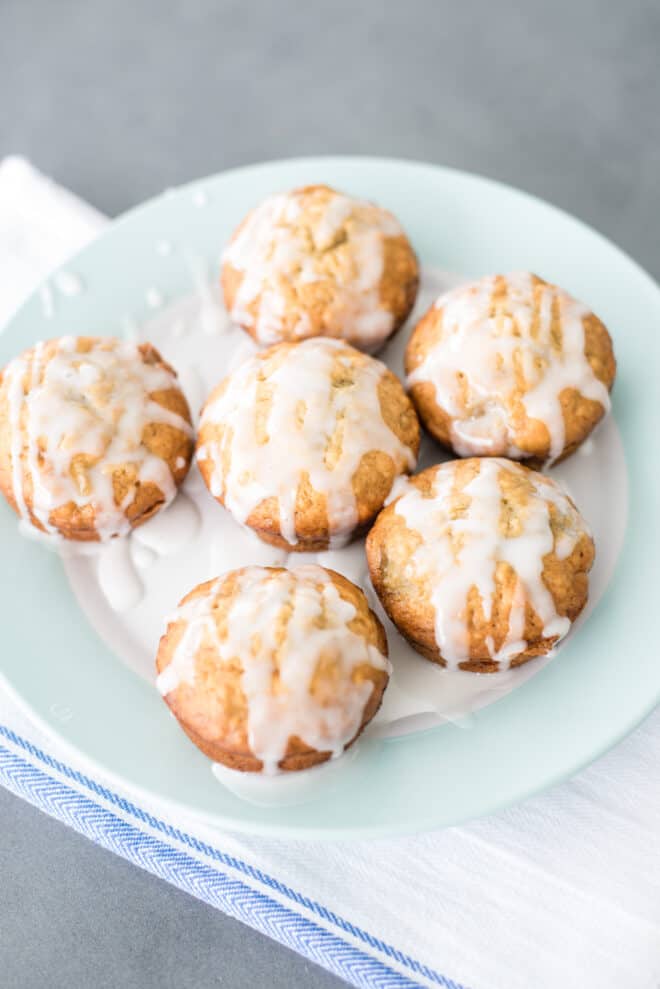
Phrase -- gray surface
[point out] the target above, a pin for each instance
(75, 916)
(559, 98)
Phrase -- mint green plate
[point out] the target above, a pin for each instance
(605, 679)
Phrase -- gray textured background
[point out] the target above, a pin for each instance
(119, 101)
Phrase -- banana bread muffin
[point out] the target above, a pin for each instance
(510, 366)
(314, 262)
(303, 441)
(95, 436)
(481, 563)
(269, 669)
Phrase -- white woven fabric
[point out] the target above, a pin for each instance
(562, 890)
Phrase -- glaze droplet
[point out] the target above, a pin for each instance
(154, 298)
(68, 283)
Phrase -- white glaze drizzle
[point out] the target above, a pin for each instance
(458, 554)
(213, 316)
(304, 413)
(318, 626)
(47, 300)
(53, 420)
(269, 248)
(484, 349)
(117, 576)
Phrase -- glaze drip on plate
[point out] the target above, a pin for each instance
(283, 628)
(506, 349)
(79, 412)
(313, 415)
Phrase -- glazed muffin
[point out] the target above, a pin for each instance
(481, 563)
(510, 366)
(314, 262)
(269, 669)
(95, 436)
(303, 441)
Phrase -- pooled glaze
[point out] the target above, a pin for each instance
(122, 563)
(64, 404)
(117, 576)
(310, 427)
(486, 355)
(287, 789)
(318, 625)
(169, 531)
(458, 553)
(270, 248)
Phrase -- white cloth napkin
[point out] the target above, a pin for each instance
(562, 890)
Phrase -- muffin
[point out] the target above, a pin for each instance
(303, 441)
(510, 366)
(95, 436)
(481, 563)
(314, 262)
(269, 669)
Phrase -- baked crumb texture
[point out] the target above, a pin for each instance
(268, 669)
(510, 366)
(303, 441)
(95, 436)
(481, 563)
(314, 262)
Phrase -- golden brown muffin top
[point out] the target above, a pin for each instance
(262, 655)
(88, 426)
(516, 365)
(309, 414)
(461, 532)
(316, 262)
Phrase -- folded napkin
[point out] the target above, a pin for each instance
(563, 890)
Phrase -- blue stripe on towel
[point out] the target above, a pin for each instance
(206, 882)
